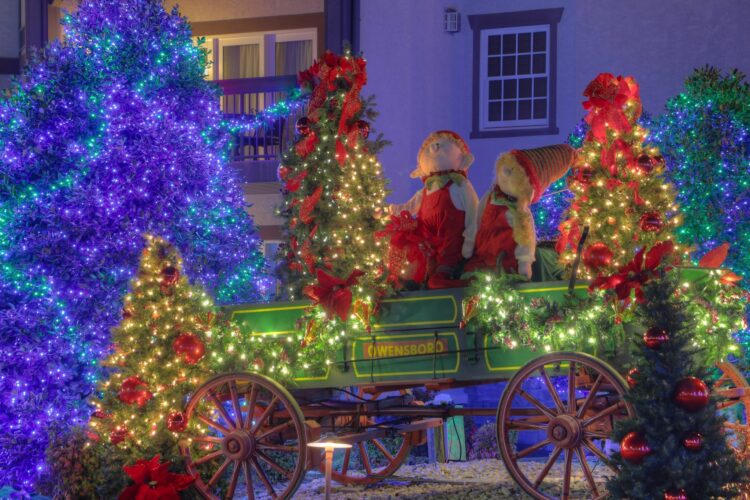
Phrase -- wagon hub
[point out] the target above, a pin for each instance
(565, 431)
(238, 445)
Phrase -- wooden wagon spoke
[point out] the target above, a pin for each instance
(587, 470)
(265, 414)
(727, 403)
(249, 490)
(602, 414)
(531, 449)
(590, 396)
(284, 472)
(572, 388)
(208, 439)
(233, 481)
(220, 406)
(525, 425)
(277, 447)
(567, 473)
(218, 472)
(209, 457)
(531, 399)
(379, 445)
(235, 403)
(364, 458)
(213, 424)
(263, 477)
(275, 430)
(252, 399)
(345, 463)
(545, 470)
(599, 453)
(552, 390)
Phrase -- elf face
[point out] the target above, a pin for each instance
(441, 154)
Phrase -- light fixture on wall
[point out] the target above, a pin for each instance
(451, 20)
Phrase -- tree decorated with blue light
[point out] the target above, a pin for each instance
(113, 134)
(704, 136)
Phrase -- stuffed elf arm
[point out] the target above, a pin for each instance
(524, 234)
(467, 200)
(411, 206)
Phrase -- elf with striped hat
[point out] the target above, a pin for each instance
(506, 236)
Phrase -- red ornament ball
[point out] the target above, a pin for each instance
(693, 441)
(691, 394)
(118, 435)
(363, 128)
(645, 164)
(302, 126)
(634, 447)
(655, 337)
(127, 312)
(189, 347)
(169, 276)
(631, 377)
(134, 391)
(658, 161)
(651, 222)
(176, 421)
(675, 495)
(597, 256)
(583, 175)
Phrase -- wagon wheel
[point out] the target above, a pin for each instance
(370, 461)
(559, 408)
(248, 438)
(734, 404)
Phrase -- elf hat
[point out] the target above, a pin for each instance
(544, 165)
(455, 138)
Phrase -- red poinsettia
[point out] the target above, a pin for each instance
(153, 481)
(410, 241)
(715, 258)
(333, 293)
(633, 275)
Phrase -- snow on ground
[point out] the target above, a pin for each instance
(478, 479)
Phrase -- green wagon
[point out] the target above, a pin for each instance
(565, 402)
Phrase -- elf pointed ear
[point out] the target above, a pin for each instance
(416, 173)
(467, 161)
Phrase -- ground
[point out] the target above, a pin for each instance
(478, 479)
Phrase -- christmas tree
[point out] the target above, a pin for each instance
(705, 138)
(675, 447)
(334, 196)
(170, 340)
(617, 181)
(112, 134)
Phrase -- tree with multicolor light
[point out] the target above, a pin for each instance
(334, 193)
(705, 138)
(171, 339)
(112, 134)
(618, 183)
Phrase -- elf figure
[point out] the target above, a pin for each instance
(506, 237)
(446, 206)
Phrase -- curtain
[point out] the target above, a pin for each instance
(292, 57)
(240, 61)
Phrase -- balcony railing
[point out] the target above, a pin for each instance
(259, 147)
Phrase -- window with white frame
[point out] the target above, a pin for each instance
(515, 77)
(514, 73)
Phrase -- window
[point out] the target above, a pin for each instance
(253, 55)
(514, 73)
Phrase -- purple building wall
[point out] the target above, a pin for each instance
(422, 76)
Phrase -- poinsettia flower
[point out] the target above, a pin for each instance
(631, 277)
(333, 293)
(153, 481)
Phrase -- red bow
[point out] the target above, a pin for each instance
(607, 96)
(308, 205)
(307, 145)
(633, 275)
(292, 185)
(153, 481)
(609, 155)
(333, 293)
